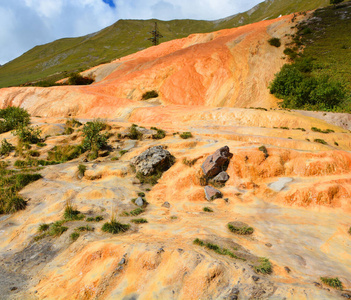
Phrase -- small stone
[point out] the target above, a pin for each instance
(317, 284)
(233, 295)
(13, 288)
(166, 204)
(268, 245)
(122, 261)
(139, 201)
(215, 163)
(255, 278)
(221, 177)
(226, 200)
(85, 160)
(345, 295)
(287, 269)
(211, 193)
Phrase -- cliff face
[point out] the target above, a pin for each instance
(226, 68)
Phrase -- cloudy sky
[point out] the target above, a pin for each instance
(27, 23)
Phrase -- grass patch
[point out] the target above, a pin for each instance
(299, 128)
(115, 227)
(65, 153)
(43, 227)
(216, 248)
(56, 229)
(136, 211)
(71, 213)
(275, 42)
(81, 169)
(264, 150)
(242, 230)
(12, 118)
(74, 236)
(122, 152)
(149, 94)
(160, 133)
(186, 135)
(315, 129)
(207, 209)
(134, 133)
(85, 228)
(332, 282)
(139, 221)
(95, 219)
(264, 267)
(320, 141)
(189, 162)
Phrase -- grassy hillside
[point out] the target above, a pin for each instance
(64, 56)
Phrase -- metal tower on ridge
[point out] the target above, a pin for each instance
(156, 35)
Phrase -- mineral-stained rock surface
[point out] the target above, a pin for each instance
(216, 162)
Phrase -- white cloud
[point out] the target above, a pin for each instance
(27, 23)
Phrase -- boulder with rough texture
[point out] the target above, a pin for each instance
(215, 163)
(139, 201)
(211, 193)
(221, 177)
(152, 160)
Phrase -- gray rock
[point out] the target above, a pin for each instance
(211, 193)
(166, 204)
(139, 201)
(122, 261)
(233, 295)
(222, 177)
(152, 160)
(255, 278)
(215, 163)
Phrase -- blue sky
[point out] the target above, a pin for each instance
(27, 23)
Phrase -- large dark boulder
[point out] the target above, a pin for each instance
(153, 160)
(217, 162)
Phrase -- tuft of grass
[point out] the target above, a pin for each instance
(114, 227)
(160, 134)
(149, 94)
(96, 219)
(207, 209)
(264, 267)
(57, 229)
(151, 179)
(244, 230)
(136, 211)
(186, 135)
(284, 127)
(141, 194)
(85, 228)
(43, 227)
(122, 152)
(189, 162)
(81, 169)
(315, 129)
(134, 133)
(71, 213)
(139, 221)
(333, 282)
(264, 150)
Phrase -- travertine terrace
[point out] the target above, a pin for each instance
(297, 197)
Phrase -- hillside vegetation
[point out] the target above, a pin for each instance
(320, 76)
(56, 60)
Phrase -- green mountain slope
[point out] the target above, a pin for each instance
(64, 56)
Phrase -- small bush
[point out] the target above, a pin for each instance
(264, 267)
(275, 42)
(81, 169)
(333, 282)
(186, 135)
(134, 133)
(93, 139)
(141, 194)
(74, 236)
(292, 54)
(242, 230)
(264, 150)
(13, 117)
(149, 95)
(207, 209)
(6, 147)
(43, 227)
(139, 221)
(71, 213)
(320, 141)
(115, 227)
(27, 134)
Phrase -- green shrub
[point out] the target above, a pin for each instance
(264, 267)
(77, 79)
(186, 135)
(14, 204)
(242, 230)
(207, 209)
(6, 147)
(13, 117)
(136, 211)
(264, 150)
(333, 282)
(291, 53)
(93, 139)
(65, 153)
(149, 95)
(160, 134)
(274, 42)
(134, 133)
(43, 227)
(57, 229)
(41, 144)
(115, 227)
(320, 141)
(139, 221)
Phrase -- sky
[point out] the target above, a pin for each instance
(27, 23)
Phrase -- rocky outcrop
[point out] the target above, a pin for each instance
(216, 162)
(152, 160)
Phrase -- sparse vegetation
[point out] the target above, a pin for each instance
(136, 211)
(242, 230)
(27, 134)
(141, 194)
(65, 153)
(333, 282)
(149, 95)
(122, 152)
(186, 135)
(77, 79)
(13, 117)
(320, 141)
(93, 139)
(56, 229)
(315, 129)
(33, 163)
(43, 227)
(139, 221)
(81, 169)
(114, 227)
(189, 162)
(73, 123)
(95, 219)
(207, 209)
(275, 42)
(85, 228)
(74, 236)
(6, 147)
(264, 150)
(134, 133)
(264, 267)
(71, 213)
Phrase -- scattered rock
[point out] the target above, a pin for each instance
(287, 269)
(255, 278)
(222, 177)
(211, 193)
(317, 284)
(216, 162)
(166, 204)
(152, 160)
(269, 245)
(346, 295)
(122, 261)
(139, 201)
(233, 295)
